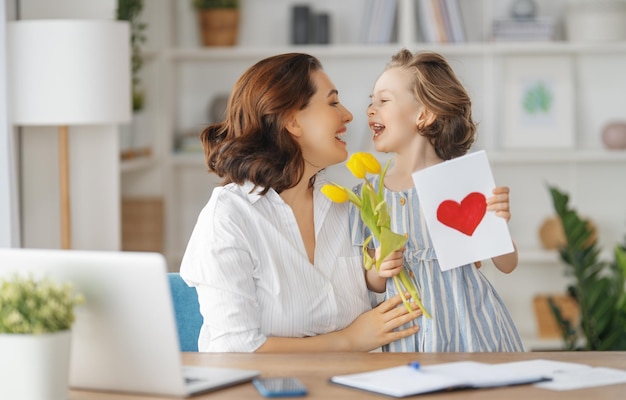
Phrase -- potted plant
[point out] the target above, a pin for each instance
(135, 138)
(218, 21)
(129, 10)
(598, 286)
(36, 317)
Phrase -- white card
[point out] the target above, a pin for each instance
(451, 195)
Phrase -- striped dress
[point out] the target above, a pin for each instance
(467, 313)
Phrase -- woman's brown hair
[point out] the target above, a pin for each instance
(253, 144)
(437, 87)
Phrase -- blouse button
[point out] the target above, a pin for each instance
(402, 201)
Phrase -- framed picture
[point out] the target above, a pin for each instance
(538, 102)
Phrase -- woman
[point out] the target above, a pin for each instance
(270, 256)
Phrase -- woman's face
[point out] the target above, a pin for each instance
(393, 114)
(320, 126)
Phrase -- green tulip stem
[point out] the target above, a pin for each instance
(408, 285)
(396, 281)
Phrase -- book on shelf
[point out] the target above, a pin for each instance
(440, 21)
(379, 21)
(455, 20)
(531, 29)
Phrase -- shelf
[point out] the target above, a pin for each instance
(495, 156)
(138, 164)
(538, 257)
(556, 156)
(554, 48)
(363, 50)
(188, 159)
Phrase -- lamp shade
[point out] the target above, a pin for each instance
(69, 72)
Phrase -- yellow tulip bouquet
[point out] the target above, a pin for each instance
(375, 214)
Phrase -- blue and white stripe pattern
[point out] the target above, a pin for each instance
(468, 315)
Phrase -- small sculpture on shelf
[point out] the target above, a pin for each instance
(524, 24)
(552, 235)
(614, 135)
(524, 9)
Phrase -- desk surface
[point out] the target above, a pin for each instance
(314, 370)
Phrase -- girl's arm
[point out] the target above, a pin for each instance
(370, 330)
(507, 262)
(499, 203)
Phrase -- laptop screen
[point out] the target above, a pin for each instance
(124, 337)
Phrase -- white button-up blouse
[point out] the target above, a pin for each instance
(254, 280)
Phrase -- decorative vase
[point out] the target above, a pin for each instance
(35, 367)
(524, 9)
(596, 21)
(219, 26)
(614, 135)
(552, 236)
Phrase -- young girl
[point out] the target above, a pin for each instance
(421, 112)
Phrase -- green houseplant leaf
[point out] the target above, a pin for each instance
(598, 287)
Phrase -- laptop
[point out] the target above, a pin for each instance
(124, 338)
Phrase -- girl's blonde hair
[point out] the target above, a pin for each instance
(437, 88)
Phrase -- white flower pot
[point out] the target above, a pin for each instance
(35, 367)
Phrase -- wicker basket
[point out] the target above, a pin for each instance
(546, 322)
(219, 26)
(142, 224)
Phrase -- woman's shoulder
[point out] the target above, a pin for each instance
(233, 191)
(229, 200)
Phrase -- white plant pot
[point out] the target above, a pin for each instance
(35, 367)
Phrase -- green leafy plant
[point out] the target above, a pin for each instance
(204, 4)
(129, 10)
(598, 285)
(28, 306)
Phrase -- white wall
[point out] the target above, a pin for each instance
(94, 161)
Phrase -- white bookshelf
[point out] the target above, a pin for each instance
(185, 76)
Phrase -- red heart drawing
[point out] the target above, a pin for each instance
(464, 217)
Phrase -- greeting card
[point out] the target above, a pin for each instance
(453, 196)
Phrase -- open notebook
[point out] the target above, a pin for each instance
(409, 380)
(124, 338)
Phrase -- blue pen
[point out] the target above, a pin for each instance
(414, 364)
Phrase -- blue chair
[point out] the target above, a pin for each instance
(186, 311)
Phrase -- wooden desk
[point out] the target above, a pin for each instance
(315, 369)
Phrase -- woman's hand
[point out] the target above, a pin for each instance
(367, 332)
(375, 328)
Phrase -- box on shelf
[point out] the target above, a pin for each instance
(531, 29)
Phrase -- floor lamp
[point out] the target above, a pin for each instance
(65, 73)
